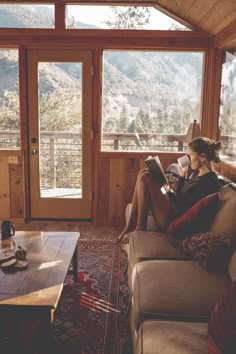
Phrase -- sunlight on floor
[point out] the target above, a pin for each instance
(96, 304)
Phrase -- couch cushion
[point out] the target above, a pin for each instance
(145, 245)
(171, 337)
(224, 221)
(174, 289)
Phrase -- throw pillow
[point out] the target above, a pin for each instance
(195, 219)
(212, 251)
(222, 323)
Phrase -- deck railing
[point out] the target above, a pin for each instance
(61, 152)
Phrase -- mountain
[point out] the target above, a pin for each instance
(160, 85)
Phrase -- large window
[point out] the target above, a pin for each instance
(149, 99)
(227, 119)
(9, 100)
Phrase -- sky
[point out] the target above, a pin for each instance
(96, 14)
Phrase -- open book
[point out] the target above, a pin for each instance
(155, 166)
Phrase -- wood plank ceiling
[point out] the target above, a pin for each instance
(210, 16)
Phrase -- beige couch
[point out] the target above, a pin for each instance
(172, 295)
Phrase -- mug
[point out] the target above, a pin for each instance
(184, 161)
(7, 229)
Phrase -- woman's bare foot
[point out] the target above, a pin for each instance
(126, 237)
(123, 238)
(119, 239)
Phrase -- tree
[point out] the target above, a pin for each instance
(124, 122)
(175, 26)
(60, 110)
(128, 17)
(9, 113)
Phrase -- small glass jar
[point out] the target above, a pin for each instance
(7, 245)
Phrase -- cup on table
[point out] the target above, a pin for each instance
(183, 161)
(7, 229)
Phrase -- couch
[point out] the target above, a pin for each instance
(172, 294)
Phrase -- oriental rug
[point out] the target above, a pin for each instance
(92, 314)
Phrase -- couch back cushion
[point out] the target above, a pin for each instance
(224, 221)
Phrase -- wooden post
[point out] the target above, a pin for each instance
(180, 145)
(116, 143)
(52, 163)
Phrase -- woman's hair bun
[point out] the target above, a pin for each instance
(216, 145)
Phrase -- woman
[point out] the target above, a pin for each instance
(149, 195)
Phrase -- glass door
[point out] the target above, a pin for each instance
(60, 123)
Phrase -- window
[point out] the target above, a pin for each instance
(119, 17)
(227, 117)
(27, 16)
(9, 100)
(149, 99)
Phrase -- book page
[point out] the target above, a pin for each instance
(155, 166)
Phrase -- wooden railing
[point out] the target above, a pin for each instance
(61, 152)
(142, 142)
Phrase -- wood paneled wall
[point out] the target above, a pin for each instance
(12, 188)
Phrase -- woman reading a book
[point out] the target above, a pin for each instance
(150, 195)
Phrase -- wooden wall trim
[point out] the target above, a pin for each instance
(60, 16)
(24, 126)
(211, 93)
(105, 33)
(11, 152)
(96, 124)
(193, 45)
(138, 154)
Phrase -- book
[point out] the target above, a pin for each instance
(155, 166)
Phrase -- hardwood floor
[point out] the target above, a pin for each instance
(87, 230)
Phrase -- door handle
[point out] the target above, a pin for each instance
(34, 151)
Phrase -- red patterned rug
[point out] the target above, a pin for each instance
(92, 315)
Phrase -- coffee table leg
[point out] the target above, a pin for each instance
(75, 265)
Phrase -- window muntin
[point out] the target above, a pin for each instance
(9, 100)
(119, 17)
(26, 16)
(227, 115)
(149, 99)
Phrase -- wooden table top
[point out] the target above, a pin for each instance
(49, 255)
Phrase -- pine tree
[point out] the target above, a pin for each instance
(128, 17)
(124, 119)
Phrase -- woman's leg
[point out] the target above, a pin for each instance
(147, 195)
(132, 222)
(152, 196)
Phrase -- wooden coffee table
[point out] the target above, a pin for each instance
(30, 296)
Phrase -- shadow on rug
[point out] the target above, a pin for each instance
(92, 315)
